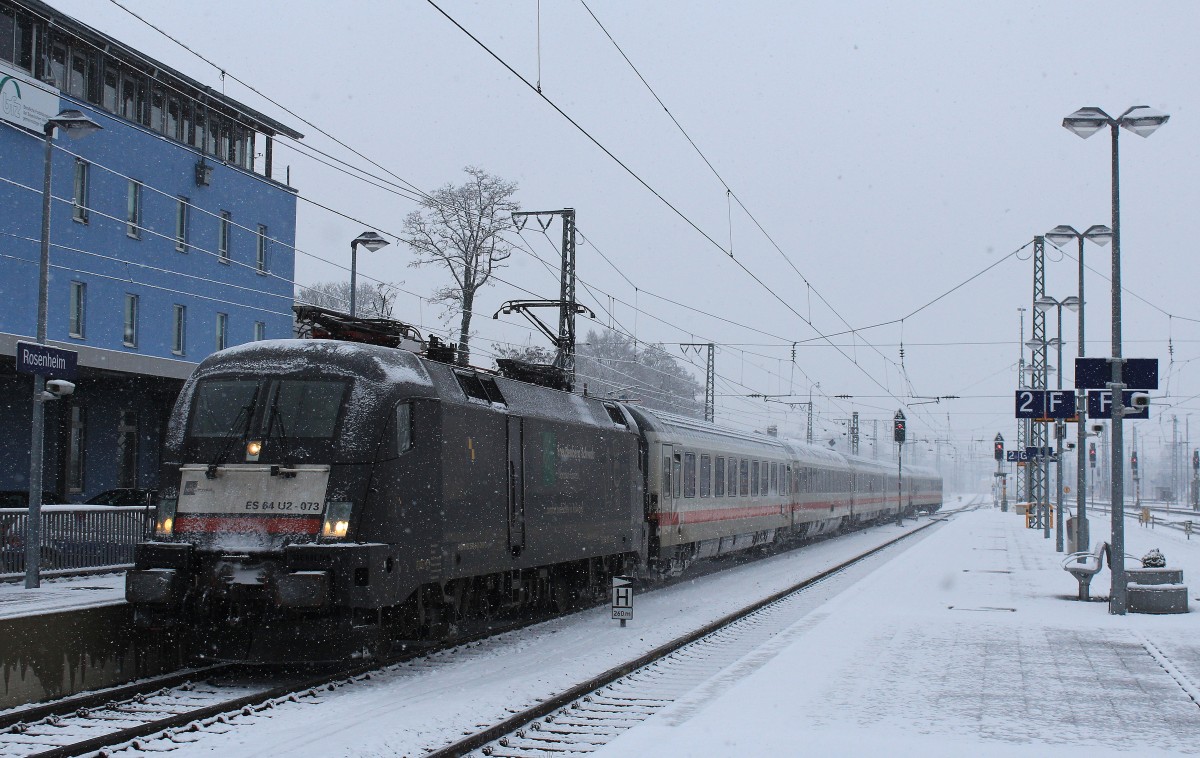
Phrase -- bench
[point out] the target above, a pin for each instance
(1085, 565)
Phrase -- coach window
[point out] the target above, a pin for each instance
(689, 474)
(743, 477)
(774, 479)
(675, 476)
(666, 481)
(719, 484)
(705, 475)
(404, 434)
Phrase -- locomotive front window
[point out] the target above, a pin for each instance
(308, 408)
(221, 406)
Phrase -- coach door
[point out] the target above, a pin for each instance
(516, 488)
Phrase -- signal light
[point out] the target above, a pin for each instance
(1092, 455)
(1133, 462)
(1196, 460)
(999, 450)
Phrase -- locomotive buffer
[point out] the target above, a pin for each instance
(622, 599)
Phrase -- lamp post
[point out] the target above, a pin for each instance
(372, 242)
(1142, 121)
(76, 125)
(1045, 303)
(1040, 382)
(1061, 235)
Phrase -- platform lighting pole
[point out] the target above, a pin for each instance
(1061, 235)
(1046, 302)
(1142, 121)
(372, 242)
(76, 125)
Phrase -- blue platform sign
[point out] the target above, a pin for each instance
(1096, 373)
(1043, 405)
(1100, 405)
(50, 362)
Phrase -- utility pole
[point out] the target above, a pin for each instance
(564, 359)
(899, 431)
(709, 376)
(854, 433)
(1041, 464)
(1023, 474)
(875, 435)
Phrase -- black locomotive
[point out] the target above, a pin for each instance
(321, 498)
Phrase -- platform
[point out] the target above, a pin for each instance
(58, 594)
(970, 643)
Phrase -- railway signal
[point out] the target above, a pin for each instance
(898, 428)
(1133, 464)
(1092, 455)
(999, 447)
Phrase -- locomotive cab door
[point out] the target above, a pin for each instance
(516, 487)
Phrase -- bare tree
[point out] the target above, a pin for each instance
(460, 228)
(375, 299)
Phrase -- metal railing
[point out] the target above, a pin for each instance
(75, 536)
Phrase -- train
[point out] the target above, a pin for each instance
(323, 499)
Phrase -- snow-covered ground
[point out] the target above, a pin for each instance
(967, 644)
(61, 594)
(967, 641)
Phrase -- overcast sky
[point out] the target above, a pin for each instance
(891, 150)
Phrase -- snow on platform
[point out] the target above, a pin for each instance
(967, 644)
(59, 594)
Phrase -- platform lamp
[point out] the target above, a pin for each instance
(75, 125)
(1142, 121)
(1061, 235)
(372, 242)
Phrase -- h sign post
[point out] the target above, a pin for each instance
(622, 599)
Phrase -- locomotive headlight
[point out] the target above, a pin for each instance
(337, 521)
(252, 450)
(164, 518)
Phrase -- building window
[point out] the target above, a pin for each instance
(133, 209)
(76, 449)
(181, 224)
(260, 331)
(261, 249)
(81, 191)
(179, 339)
(127, 449)
(222, 330)
(223, 238)
(78, 304)
(131, 320)
(108, 97)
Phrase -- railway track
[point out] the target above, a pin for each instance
(591, 714)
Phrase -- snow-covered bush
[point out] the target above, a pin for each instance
(1154, 559)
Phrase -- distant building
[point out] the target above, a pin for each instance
(169, 240)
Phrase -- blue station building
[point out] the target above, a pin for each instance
(169, 239)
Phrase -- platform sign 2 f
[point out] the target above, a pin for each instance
(622, 599)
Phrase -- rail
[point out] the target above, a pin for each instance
(75, 537)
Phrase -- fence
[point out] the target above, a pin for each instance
(75, 536)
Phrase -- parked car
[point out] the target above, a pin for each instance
(124, 496)
(20, 498)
